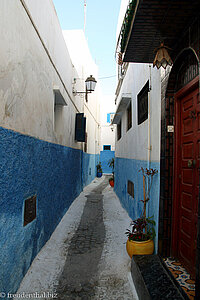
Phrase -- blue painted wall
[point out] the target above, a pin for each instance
(128, 169)
(89, 162)
(53, 173)
(105, 156)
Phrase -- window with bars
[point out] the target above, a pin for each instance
(129, 116)
(142, 101)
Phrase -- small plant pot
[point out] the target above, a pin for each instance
(139, 248)
(111, 181)
(99, 174)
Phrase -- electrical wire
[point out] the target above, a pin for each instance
(107, 77)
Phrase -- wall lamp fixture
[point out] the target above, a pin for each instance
(90, 84)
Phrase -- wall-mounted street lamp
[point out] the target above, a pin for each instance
(162, 58)
(90, 84)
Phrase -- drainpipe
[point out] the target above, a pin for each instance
(149, 125)
(149, 120)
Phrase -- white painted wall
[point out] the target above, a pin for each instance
(134, 142)
(85, 66)
(34, 59)
(107, 135)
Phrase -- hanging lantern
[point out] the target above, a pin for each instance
(162, 58)
(90, 83)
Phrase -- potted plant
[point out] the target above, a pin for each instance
(140, 237)
(111, 164)
(99, 169)
(111, 181)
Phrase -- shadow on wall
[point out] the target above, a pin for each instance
(105, 156)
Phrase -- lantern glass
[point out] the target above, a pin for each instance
(162, 58)
(90, 84)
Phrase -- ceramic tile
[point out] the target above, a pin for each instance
(182, 276)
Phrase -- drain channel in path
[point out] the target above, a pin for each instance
(79, 274)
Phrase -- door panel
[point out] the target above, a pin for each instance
(189, 157)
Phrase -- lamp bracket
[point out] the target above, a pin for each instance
(76, 93)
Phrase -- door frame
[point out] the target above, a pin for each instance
(177, 148)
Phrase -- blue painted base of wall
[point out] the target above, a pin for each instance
(105, 156)
(53, 173)
(89, 162)
(128, 169)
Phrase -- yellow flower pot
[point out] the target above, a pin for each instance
(139, 248)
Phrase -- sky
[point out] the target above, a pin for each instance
(100, 31)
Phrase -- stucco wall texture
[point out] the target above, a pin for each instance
(29, 166)
(129, 169)
(105, 157)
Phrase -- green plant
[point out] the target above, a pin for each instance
(143, 227)
(126, 26)
(99, 167)
(111, 164)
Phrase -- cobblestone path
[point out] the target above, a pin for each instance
(79, 276)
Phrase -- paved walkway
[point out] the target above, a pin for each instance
(86, 257)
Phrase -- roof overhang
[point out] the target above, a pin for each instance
(59, 99)
(155, 21)
(125, 100)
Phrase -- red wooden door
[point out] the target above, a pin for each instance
(188, 174)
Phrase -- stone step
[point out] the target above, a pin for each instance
(153, 281)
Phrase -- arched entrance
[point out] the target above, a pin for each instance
(183, 147)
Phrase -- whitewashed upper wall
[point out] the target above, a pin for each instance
(107, 135)
(134, 142)
(85, 66)
(46, 20)
(32, 62)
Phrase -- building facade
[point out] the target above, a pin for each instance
(137, 118)
(43, 167)
(107, 141)
(85, 66)
(176, 23)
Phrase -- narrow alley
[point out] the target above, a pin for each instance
(85, 258)
(100, 149)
